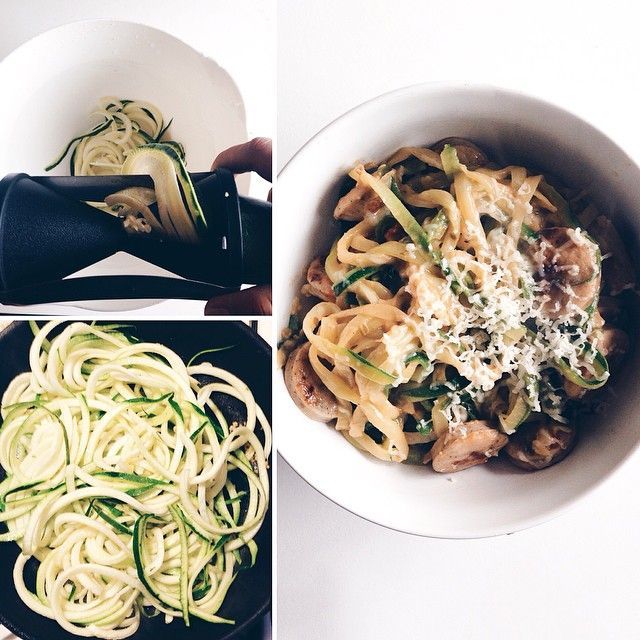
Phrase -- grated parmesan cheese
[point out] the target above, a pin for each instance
(478, 338)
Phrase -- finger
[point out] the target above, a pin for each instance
(254, 155)
(255, 301)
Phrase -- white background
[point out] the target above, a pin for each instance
(239, 35)
(339, 577)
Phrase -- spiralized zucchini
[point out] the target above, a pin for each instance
(126, 482)
(129, 140)
(123, 125)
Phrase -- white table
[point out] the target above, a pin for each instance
(339, 577)
(238, 35)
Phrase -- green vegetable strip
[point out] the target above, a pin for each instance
(184, 563)
(450, 163)
(563, 210)
(410, 225)
(352, 277)
(103, 126)
(367, 369)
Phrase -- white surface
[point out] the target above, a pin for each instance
(340, 577)
(237, 40)
(473, 503)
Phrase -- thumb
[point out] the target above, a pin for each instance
(248, 302)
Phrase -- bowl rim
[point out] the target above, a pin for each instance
(90, 21)
(427, 88)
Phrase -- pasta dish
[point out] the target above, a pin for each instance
(465, 309)
(126, 482)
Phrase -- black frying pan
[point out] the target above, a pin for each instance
(250, 595)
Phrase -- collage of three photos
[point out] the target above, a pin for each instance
(295, 337)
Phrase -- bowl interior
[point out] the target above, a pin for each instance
(250, 594)
(495, 498)
(55, 79)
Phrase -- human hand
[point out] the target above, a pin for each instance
(254, 155)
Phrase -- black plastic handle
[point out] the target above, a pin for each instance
(113, 288)
(97, 188)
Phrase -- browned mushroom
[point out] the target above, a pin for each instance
(573, 391)
(614, 344)
(567, 261)
(618, 269)
(357, 203)
(319, 284)
(537, 446)
(469, 154)
(306, 389)
(470, 444)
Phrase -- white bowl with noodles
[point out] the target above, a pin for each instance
(51, 83)
(495, 498)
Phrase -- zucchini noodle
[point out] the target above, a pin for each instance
(128, 139)
(122, 126)
(126, 482)
(460, 302)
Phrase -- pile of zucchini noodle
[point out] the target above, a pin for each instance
(128, 140)
(433, 312)
(126, 481)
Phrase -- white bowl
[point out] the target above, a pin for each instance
(51, 83)
(495, 498)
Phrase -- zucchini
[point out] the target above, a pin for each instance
(211, 420)
(137, 546)
(450, 163)
(564, 214)
(413, 229)
(103, 126)
(374, 433)
(402, 215)
(366, 368)
(178, 206)
(184, 563)
(528, 233)
(417, 452)
(517, 412)
(382, 227)
(163, 130)
(421, 357)
(437, 226)
(600, 364)
(144, 400)
(352, 277)
(433, 390)
(118, 526)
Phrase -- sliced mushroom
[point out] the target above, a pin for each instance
(469, 154)
(306, 389)
(319, 284)
(357, 203)
(537, 446)
(470, 444)
(618, 269)
(567, 261)
(614, 344)
(573, 391)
